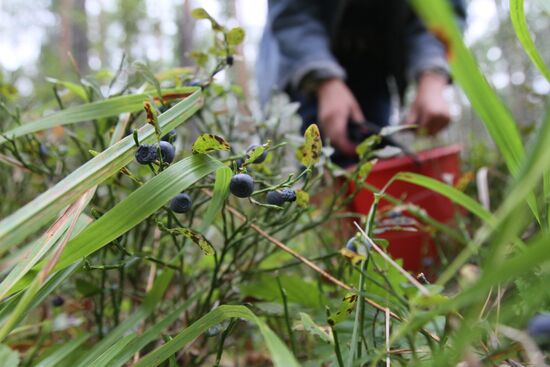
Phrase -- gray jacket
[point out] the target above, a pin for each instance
(296, 41)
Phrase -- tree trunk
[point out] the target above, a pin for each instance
(80, 42)
(186, 28)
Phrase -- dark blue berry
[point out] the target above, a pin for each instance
(289, 194)
(239, 162)
(539, 327)
(181, 203)
(229, 60)
(168, 137)
(146, 153)
(241, 185)
(275, 198)
(58, 301)
(43, 150)
(351, 245)
(261, 158)
(168, 151)
(164, 108)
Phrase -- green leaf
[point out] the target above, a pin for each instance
(517, 14)
(302, 198)
(345, 310)
(448, 191)
(311, 327)
(309, 153)
(8, 357)
(298, 290)
(96, 110)
(197, 238)
(221, 190)
(280, 354)
(46, 206)
(235, 36)
(77, 89)
(200, 13)
(253, 154)
(207, 143)
(367, 145)
(200, 58)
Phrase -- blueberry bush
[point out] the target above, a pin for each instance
(166, 224)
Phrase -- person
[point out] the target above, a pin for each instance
(339, 59)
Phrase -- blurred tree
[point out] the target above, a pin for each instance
(79, 29)
(186, 30)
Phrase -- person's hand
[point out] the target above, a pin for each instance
(430, 109)
(337, 105)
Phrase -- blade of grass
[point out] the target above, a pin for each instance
(92, 111)
(280, 354)
(140, 204)
(517, 15)
(48, 241)
(43, 208)
(219, 194)
(535, 165)
(71, 216)
(498, 120)
(51, 284)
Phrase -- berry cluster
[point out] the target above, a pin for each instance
(147, 153)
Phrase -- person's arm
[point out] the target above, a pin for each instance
(427, 65)
(307, 62)
(303, 41)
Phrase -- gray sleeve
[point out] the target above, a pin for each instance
(303, 41)
(425, 51)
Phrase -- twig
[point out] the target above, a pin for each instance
(388, 359)
(411, 279)
(313, 266)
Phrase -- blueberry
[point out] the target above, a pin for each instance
(288, 194)
(539, 328)
(146, 153)
(351, 245)
(58, 301)
(181, 203)
(241, 185)
(261, 158)
(239, 162)
(229, 60)
(168, 152)
(43, 150)
(169, 136)
(275, 198)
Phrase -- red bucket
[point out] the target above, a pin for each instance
(417, 249)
